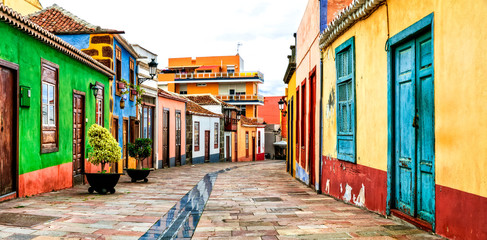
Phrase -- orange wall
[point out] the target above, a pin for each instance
(211, 88)
(270, 111)
(200, 61)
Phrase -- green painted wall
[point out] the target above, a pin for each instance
(22, 49)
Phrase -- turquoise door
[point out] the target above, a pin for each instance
(414, 128)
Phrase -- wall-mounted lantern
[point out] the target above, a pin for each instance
(122, 103)
(281, 107)
(95, 89)
(239, 114)
(152, 71)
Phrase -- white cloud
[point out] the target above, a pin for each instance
(191, 28)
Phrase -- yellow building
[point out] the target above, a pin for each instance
(24, 7)
(221, 76)
(404, 116)
(290, 80)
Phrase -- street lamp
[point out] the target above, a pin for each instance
(152, 71)
(94, 89)
(238, 115)
(281, 107)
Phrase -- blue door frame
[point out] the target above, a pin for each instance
(417, 29)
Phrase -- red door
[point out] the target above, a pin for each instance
(303, 126)
(236, 146)
(207, 146)
(298, 124)
(78, 138)
(311, 127)
(7, 132)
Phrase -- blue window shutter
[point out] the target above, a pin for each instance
(323, 14)
(345, 90)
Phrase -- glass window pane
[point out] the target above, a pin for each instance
(342, 92)
(144, 134)
(51, 114)
(349, 63)
(44, 94)
(349, 117)
(51, 94)
(44, 114)
(344, 126)
(349, 90)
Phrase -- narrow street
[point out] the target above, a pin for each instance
(265, 204)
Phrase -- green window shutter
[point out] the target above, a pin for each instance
(345, 85)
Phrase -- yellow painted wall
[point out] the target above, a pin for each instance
(23, 7)
(242, 152)
(460, 89)
(291, 94)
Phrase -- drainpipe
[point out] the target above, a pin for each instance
(321, 125)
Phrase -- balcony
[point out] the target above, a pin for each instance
(218, 76)
(242, 99)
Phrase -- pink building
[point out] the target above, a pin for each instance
(172, 130)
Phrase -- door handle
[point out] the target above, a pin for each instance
(415, 121)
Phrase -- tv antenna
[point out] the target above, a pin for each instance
(238, 47)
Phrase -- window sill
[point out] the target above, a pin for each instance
(50, 150)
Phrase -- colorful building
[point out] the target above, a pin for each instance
(290, 80)
(203, 134)
(50, 94)
(172, 130)
(250, 140)
(23, 7)
(228, 124)
(148, 110)
(112, 50)
(269, 112)
(308, 94)
(221, 76)
(404, 112)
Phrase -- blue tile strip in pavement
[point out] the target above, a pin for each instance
(181, 220)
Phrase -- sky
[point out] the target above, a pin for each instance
(196, 28)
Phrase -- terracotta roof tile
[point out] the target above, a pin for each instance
(195, 109)
(58, 20)
(171, 95)
(251, 122)
(208, 99)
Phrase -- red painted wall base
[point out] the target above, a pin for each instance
(354, 183)
(460, 215)
(260, 157)
(46, 180)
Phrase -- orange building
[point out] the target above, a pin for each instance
(222, 76)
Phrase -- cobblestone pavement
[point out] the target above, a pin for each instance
(254, 201)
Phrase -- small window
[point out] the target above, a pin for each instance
(50, 107)
(183, 92)
(345, 85)
(132, 72)
(118, 63)
(231, 68)
(216, 135)
(201, 84)
(196, 136)
(258, 140)
(178, 128)
(243, 110)
(99, 107)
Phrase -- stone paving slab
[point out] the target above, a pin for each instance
(264, 202)
(254, 201)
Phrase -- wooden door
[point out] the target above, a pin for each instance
(125, 140)
(148, 131)
(178, 139)
(207, 146)
(228, 158)
(414, 130)
(253, 149)
(7, 133)
(236, 146)
(165, 138)
(311, 128)
(78, 138)
(303, 127)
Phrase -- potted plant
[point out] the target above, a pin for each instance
(105, 150)
(141, 149)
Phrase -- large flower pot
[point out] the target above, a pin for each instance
(139, 174)
(102, 182)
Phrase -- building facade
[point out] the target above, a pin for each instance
(172, 130)
(404, 110)
(221, 76)
(109, 48)
(47, 104)
(250, 144)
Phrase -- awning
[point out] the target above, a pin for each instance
(282, 144)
